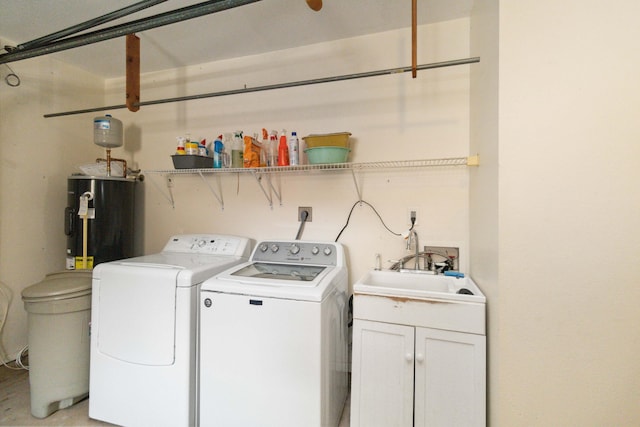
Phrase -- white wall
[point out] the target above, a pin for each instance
(36, 156)
(391, 118)
(484, 203)
(565, 340)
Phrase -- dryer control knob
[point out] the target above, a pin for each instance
(264, 247)
(327, 251)
(274, 248)
(294, 249)
(315, 250)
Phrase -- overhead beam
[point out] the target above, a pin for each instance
(125, 11)
(167, 18)
(133, 73)
(414, 38)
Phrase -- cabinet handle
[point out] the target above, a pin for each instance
(409, 357)
(420, 357)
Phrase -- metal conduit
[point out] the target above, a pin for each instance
(89, 24)
(178, 15)
(277, 86)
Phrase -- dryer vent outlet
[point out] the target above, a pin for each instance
(308, 210)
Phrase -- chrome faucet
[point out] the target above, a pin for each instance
(413, 235)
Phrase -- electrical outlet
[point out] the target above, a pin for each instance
(412, 213)
(309, 210)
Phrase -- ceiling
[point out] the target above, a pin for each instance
(267, 25)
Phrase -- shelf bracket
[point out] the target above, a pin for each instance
(215, 194)
(272, 189)
(169, 184)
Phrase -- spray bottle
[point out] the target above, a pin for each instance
(226, 148)
(294, 158)
(237, 154)
(273, 148)
(283, 150)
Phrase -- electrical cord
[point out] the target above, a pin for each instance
(6, 299)
(374, 210)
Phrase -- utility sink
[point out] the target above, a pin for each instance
(419, 299)
(418, 285)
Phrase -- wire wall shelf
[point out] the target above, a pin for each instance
(452, 161)
(265, 173)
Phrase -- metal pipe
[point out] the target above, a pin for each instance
(277, 86)
(89, 24)
(178, 15)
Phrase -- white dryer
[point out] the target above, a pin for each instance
(273, 338)
(143, 363)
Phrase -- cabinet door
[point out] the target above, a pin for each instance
(450, 378)
(382, 375)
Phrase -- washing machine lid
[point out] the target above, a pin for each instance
(60, 285)
(286, 281)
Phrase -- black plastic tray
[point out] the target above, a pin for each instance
(191, 161)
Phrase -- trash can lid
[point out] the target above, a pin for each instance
(60, 285)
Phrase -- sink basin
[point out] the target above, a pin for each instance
(419, 299)
(417, 285)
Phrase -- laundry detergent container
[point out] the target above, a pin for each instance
(59, 315)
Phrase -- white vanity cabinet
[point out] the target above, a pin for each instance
(382, 374)
(419, 352)
(415, 376)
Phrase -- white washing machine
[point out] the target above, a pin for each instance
(273, 338)
(143, 363)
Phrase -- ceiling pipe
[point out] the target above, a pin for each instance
(125, 11)
(389, 71)
(172, 17)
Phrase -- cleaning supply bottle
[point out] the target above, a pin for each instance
(226, 150)
(218, 147)
(202, 147)
(273, 148)
(294, 146)
(191, 147)
(264, 149)
(283, 150)
(180, 150)
(237, 155)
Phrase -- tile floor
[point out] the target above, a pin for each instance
(14, 405)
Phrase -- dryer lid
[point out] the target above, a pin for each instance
(59, 285)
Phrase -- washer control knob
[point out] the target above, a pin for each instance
(294, 249)
(274, 248)
(327, 251)
(315, 250)
(264, 247)
(201, 243)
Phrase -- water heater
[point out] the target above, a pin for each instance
(107, 232)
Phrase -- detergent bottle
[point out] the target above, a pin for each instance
(218, 146)
(283, 150)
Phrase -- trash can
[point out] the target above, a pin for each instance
(59, 315)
